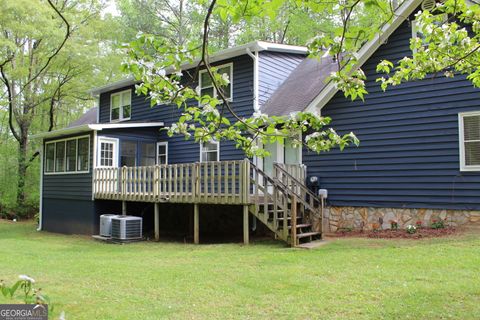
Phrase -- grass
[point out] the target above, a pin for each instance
(345, 279)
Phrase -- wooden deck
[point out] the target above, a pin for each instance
(281, 201)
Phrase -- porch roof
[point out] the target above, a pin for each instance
(96, 127)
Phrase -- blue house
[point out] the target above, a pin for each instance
(419, 157)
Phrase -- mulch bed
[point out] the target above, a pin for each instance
(396, 234)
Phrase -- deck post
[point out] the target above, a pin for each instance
(157, 221)
(124, 208)
(196, 224)
(245, 225)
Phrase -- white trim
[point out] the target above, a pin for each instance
(120, 107)
(97, 127)
(365, 52)
(115, 150)
(461, 141)
(40, 205)
(162, 143)
(230, 64)
(44, 147)
(94, 164)
(256, 46)
(218, 150)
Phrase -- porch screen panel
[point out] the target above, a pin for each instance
(60, 156)
(128, 154)
(148, 154)
(50, 157)
(71, 155)
(83, 154)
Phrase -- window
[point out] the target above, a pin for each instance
(210, 151)
(107, 148)
(67, 156)
(469, 130)
(162, 153)
(72, 155)
(50, 157)
(83, 154)
(206, 84)
(417, 34)
(128, 153)
(120, 106)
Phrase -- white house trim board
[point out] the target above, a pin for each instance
(461, 141)
(366, 51)
(40, 208)
(115, 143)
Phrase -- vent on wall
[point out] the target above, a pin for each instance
(428, 5)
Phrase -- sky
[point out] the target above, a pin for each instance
(111, 8)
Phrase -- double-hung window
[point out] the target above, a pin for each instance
(120, 106)
(162, 152)
(67, 155)
(206, 85)
(210, 151)
(469, 130)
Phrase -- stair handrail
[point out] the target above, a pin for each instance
(304, 190)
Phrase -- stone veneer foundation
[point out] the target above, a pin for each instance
(361, 218)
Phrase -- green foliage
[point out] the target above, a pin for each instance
(438, 224)
(411, 229)
(449, 44)
(29, 294)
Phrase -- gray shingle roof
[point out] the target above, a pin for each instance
(89, 117)
(301, 87)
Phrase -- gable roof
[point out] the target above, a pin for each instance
(366, 51)
(301, 87)
(254, 46)
(89, 117)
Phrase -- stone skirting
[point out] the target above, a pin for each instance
(361, 218)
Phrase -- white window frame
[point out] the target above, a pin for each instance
(115, 143)
(461, 141)
(65, 156)
(120, 112)
(415, 28)
(162, 143)
(218, 150)
(230, 77)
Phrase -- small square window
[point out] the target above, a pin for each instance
(469, 140)
(206, 85)
(120, 106)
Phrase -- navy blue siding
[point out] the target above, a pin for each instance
(69, 216)
(273, 69)
(69, 186)
(67, 205)
(409, 152)
(180, 150)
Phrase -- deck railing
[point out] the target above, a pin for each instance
(222, 182)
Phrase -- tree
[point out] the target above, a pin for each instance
(450, 48)
(43, 69)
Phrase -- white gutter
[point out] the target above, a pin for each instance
(255, 78)
(40, 208)
(366, 52)
(256, 46)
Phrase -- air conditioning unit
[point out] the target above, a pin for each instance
(126, 228)
(106, 224)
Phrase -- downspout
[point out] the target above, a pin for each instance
(255, 103)
(40, 208)
(255, 78)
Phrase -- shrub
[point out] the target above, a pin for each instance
(393, 225)
(418, 224)
(438, 224)
(411, 229)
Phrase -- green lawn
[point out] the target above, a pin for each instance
(345, 279)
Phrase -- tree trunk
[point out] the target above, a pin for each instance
(22, 171)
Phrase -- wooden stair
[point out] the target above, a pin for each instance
(284, 206)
